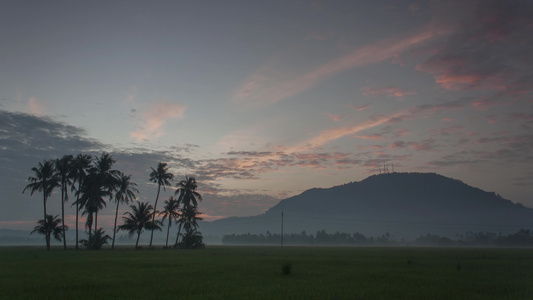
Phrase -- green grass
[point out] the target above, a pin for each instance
(256, 273)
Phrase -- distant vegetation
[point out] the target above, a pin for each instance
(92, 181)
(522, 238)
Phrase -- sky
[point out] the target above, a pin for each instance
(262, 100)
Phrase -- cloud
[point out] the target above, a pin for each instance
(155, 118)
(36, 106)
(332, 134)
(486, 51)
(425, 145)
(395, 92)
(334, 117)
(451, 130)
(26, 140)
(493, 119)
(361, 107)
(461, 158)
(265, 87)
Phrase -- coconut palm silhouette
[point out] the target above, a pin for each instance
(162, 177)
(139, 219)
(44, 180)
(170, 212)
(125, 191)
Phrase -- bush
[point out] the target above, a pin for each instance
(286, 269)
(96, 240)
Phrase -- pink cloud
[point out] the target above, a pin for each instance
(36, 106)
(485, 50)
(335, 118)
(448, 130)
(375, 137)
(155, 118)
(395, 92)
(425, 145)
(401, 132)
(492, 119)
(261, 88)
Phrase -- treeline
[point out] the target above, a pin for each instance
(522, 238)
(93, 183)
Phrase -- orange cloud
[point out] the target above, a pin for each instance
(263, 88)
(155, 118)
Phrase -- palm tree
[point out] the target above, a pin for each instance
(102, 168)
(104, 180)
(50, 226)
(124, 193)
(45, 180)
(162, 177)
(170, 211)
(188, 197)
(91, 199)
(189, 222)
(139, 220)
(63, 167)
(79, 168)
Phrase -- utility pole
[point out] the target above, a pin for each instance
(282, 228)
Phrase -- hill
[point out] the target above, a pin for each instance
(403, 204)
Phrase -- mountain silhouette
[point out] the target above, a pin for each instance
(406, 205)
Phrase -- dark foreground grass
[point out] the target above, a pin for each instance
(258, 273)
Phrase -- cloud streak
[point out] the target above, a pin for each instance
(394, 92)
(155, 119)
(263, 88)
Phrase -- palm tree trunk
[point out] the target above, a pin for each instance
(138, 236)
(168, 231)
(115, 228)
(178, 236)
(63, 217)
(77, 213)
(47, 235)
(95, 221)
(153, 216)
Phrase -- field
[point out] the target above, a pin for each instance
(256, 273)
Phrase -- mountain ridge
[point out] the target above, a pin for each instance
(405, 204)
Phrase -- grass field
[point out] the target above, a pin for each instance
(256, 273)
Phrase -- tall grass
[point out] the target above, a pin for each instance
(257, 273)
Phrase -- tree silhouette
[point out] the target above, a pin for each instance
(186, 189)
(50, 227)
(91, 199)
(139, 220)
(124, 193)
(104, 179)
(188, 220)
(170, 212)
(97, 240)
(78, 172)
(188, 198)
(44, 180)
(63, 167)
(162, 177)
